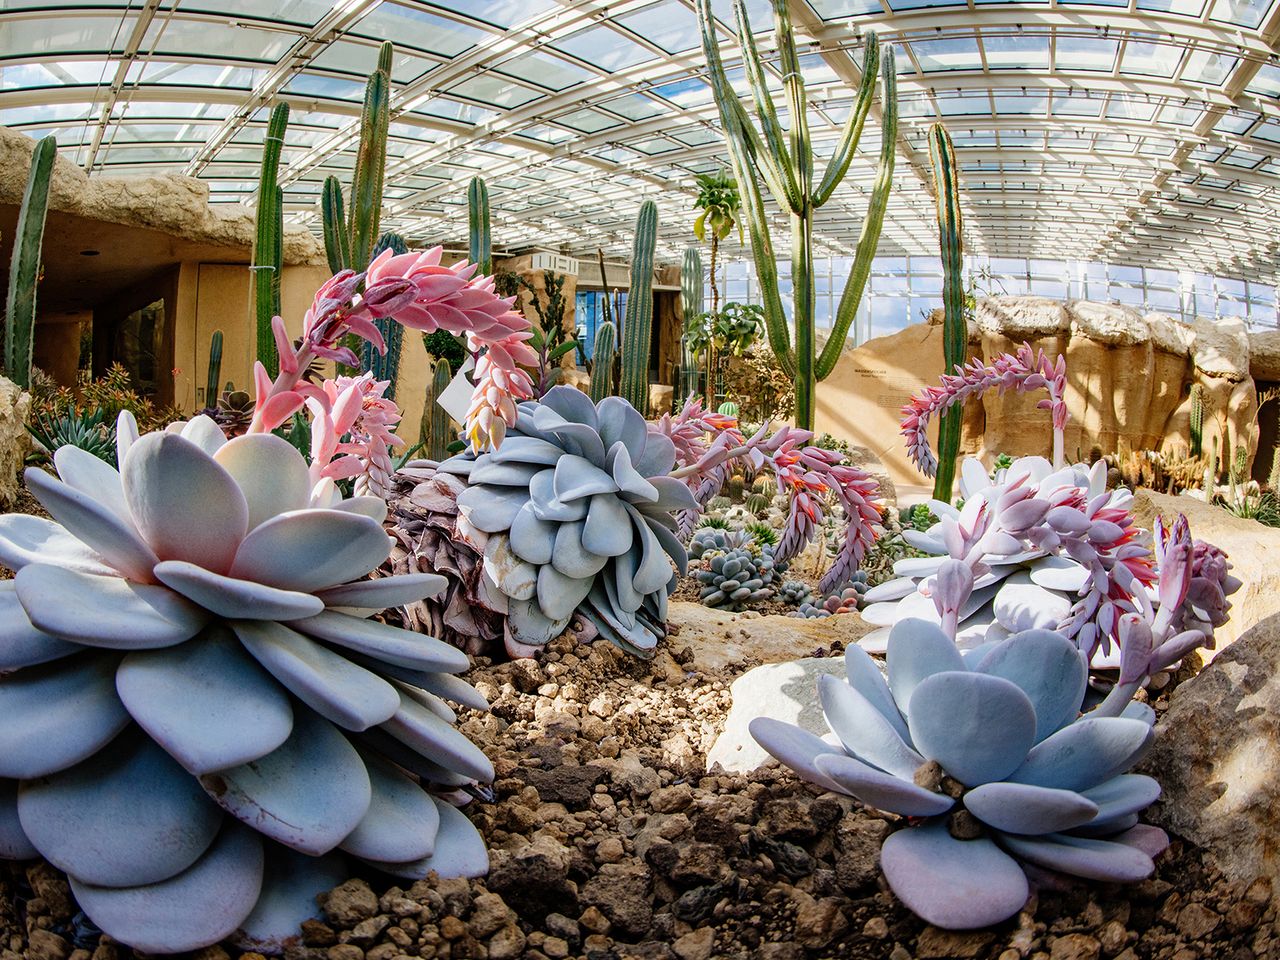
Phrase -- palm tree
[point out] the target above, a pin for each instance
(720, 204)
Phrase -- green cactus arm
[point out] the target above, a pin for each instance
(24, 266)
(691, 283)
(480, 248)
(852, 133)
(637, 324)
(434, 430)
(337, 245)
(797, 102)
(955, 329)
(602, 361)
(268, 239)
(871, 226)
(776, 156)
(215, 369)
(366, 184)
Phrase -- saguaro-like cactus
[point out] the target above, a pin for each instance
(24, 267)
(386, 366)
(602, 360)
(436, 432)
(215, 370)
(480, 247)
(955, 328)
(350, 245)
(787, 169)
(268, 242)
(637, 324)
(1197, 419)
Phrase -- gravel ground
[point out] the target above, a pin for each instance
(609, 842)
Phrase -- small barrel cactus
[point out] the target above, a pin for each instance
(737, 578)
(988, 755)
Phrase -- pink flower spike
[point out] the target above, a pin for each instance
(279, 408)
(284, 346)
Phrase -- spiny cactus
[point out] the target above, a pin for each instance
(728, 408)
(215, 369)
(1197, 419)
(637, 325)
(268, 243)
(955, 330)
(479, 244)
(24, 267)
(1211, 470)
(603, 356)
(436, 430)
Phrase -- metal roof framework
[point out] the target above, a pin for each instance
(1143, 132)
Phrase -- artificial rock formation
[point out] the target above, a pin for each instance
(1129, 378)
(15, 409)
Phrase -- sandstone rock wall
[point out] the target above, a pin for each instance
(15, 410)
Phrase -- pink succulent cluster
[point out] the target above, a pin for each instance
(709, 445)
(352, 433)
(417, 291)
(1025, 370)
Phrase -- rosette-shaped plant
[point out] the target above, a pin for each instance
(736, 578)
(988, 749)
(580, 513)
(197, 714)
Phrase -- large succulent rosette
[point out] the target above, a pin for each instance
(580, 515)
(197, 714)
(988, 750)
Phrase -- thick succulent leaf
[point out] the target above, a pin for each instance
(418, 727)
(673, 495)
(384, 642)
(1106, 828)
(232, 598)
(208, 703)
(578, 439)
(487, 470)
(559, 595)
(890, 590)
(547, 506)
(1123, 795)
(92, 476)
(570, 557)
(881, 790)
(26, 539)
(572, 405)
(795, 747)
(532, 538)
(105, 611)
(271, 474)
(621, 588)
(447, 686)
(205, 433)
(385, 591)
(1059, 573)
(290, 885)
(384, 745)
(126, 434)
(632, 485)
(14, 843)
(428, 700)
(576, 478)
(658, 458)
(330, 684)
(917, 650)
(375, 508)
(607, 529)
(528, 625)
(620, 422)
(1048, 668)
(653, 572)
(513, 576)
(308, 793)
(197, 908)
(54, 716)
(127, 816)
(1139, 711)
(973, 477)
(977, 726)
(1023, 808)
(532, 450)
(21, 644)
(401, 822)
(184, 504)
(627, 631)
(459, 851)
(1023, 605)
(308, 550)
(953, 884)
(1150, 840)
(918, 566)
(1081, 857)
(114, 539)
(670, 544)
(864, 730)
(864, 676)
(492, 509)
(1086, 753)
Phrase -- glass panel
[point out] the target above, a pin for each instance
(604, 47)
(831, 9)
(502, 13)
(1243, 13)
(1129, 108)
(588, 121)
(1158, 59)
(1204, 66)
(544, 69)
(313, 85)
(197, 37)
(1017, 53)
(1068, 106)
(306, 12)
(960, 53)
(669, 25)
(418, 28)
(633, 107)
(66, 35)
(1267, 81)
(1190, 8)
(495, 91)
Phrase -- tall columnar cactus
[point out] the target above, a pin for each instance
(435, 431)
(602, 360)
(1197, 419)
(787, 170)
(955, 332)
(691, 283)
(637, 324)
(24, 267)
(214, 376)
(268, 241)
(350, 245)
(1211, 471)
(480, 247)
(386, 366)
(1237, 470)
(606, 303)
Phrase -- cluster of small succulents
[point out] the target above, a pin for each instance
(847, 599)
(795, 593)
(737, 577)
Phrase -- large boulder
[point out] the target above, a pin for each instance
(1217, 757)
(1252, 548)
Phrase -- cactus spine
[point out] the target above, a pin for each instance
(1197, 419)
(602, 361)
(268, 241)
(215, 370)
(783, 158)
(955, 332)
(435, 430)
(637, 324)
(480, 248)
(24, 267)
(386, 366)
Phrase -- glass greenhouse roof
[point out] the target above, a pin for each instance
(1138, 131)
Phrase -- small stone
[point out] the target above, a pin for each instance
(558, 925)
(899, 952)
(963, 825)
(555, 948)
(609, 850)
(507, 944)
(47, 945)
(621, 891)
(366, 931)
(50, 885)
(934, 942)
(349, 903)
(595, 921)
(346, 951)
(316, 933)
(1197, 921)
(876, 928)
(1074, 946)
(383, 951)
(489, 914)
(818, 922)
(1113, 936)
(672, 799)
(451, 928)
(782, 951)
(696, 945)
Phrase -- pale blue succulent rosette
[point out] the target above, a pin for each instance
(198, 717)
(580, 515)
(988, 749)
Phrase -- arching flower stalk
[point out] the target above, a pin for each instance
(354, 408)
(1023, 370)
